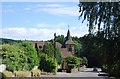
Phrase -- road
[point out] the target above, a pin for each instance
(87, 73)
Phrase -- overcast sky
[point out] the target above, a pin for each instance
(40, 20)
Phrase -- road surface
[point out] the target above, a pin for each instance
(88, 72)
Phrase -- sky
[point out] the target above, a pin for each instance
(40, 20)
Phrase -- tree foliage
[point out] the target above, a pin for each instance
(60, 39)
(106, 17)
(47, 63)
(49, 50)
(20, 56)
(102, 12)
(73, 61)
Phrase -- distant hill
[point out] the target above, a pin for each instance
(8, 41)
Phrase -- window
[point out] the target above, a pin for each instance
(70, 49)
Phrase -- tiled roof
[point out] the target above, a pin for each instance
(39, 44)
(64, 51)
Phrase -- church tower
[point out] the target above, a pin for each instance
(69, 44)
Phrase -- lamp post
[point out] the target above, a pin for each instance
(54, 45)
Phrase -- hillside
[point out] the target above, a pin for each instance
(10, 41)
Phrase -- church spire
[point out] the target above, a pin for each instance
(68, 33)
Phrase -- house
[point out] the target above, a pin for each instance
(67, 49)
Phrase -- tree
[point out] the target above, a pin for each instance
(47, 63)
(31, 53)
(77, 47)
(60, 39)
(106, 17)
(84, 61)
(19, 56)
(36, 47)
(49, 50)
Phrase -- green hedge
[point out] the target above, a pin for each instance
(47, 63)
(19, 56)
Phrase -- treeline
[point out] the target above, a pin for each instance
(8, 41)
(21, 56)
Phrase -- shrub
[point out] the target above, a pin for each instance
(72, 61)
(47, 63)
(19, 57)
(35, 73)
(84, 61)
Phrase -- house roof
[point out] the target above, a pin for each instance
(68, 38)
(64, 51)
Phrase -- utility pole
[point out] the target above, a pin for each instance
(55, 45)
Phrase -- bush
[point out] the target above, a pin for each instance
(47, 63)
(73, 61)
(19, 57)
(84, 61)
(35, 73)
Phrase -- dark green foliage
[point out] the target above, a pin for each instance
(60, 39)
(36, 47)
(8, 41)
(77, 46)
(49, 50)
(84, 61)
(108, 34)
(21, 56)
(73, 61)
(47, 63)
(91, 51)
(31, 53)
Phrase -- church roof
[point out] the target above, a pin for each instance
(69, 41)
(68, 38)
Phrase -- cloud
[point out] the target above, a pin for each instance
(62, 11)
(49, 5)
(41, 33)
(57, 9)
(27, 8)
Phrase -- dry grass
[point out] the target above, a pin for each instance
(35, 73)
(7, 75)
(22, 74)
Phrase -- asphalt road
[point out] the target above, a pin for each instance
(87, 73)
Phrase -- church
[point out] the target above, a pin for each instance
(66, 50)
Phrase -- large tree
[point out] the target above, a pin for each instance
(19, 56)
(105, 18)
(49, 50)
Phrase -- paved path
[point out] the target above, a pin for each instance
(87, 73)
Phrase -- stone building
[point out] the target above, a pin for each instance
(67, 49)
